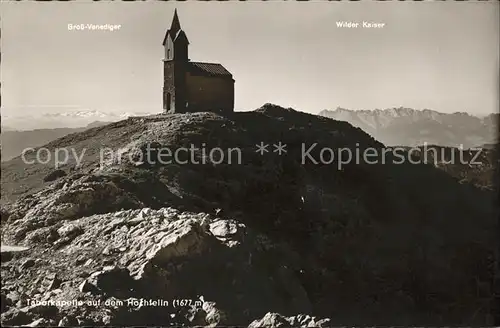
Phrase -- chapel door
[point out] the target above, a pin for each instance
(169, 101)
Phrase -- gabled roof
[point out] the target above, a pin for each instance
(165, 38)
(181, 35)
(175, 37)
(209, 69)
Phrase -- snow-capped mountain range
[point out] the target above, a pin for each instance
(69, 119)
(411, 127)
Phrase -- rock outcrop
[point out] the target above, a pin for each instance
(217, 270)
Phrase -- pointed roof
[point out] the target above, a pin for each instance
(181, 35)
(175, 29)
(176, 25)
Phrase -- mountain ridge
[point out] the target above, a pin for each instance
(410, 127)
(64, 119)
(14, 142)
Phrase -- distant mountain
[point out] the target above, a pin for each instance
(410, 127)
(14, 142)
(23, 131)
(96, 124)
(7, 128)
(69, 119)
(489, 146)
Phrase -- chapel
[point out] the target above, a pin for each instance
(190, 86)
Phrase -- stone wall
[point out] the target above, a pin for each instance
(174, 83)
(168, 85)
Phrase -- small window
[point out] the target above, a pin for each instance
(168, 53)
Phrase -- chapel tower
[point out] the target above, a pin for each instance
(174, 67)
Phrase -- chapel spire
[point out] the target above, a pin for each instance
(176, 25)
(175, 31)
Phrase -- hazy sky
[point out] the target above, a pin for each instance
(437, 55)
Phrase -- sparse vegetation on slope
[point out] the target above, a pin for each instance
(476, 166)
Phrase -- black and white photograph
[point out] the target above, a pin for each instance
(249, 163)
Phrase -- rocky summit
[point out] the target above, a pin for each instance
(261, 239)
